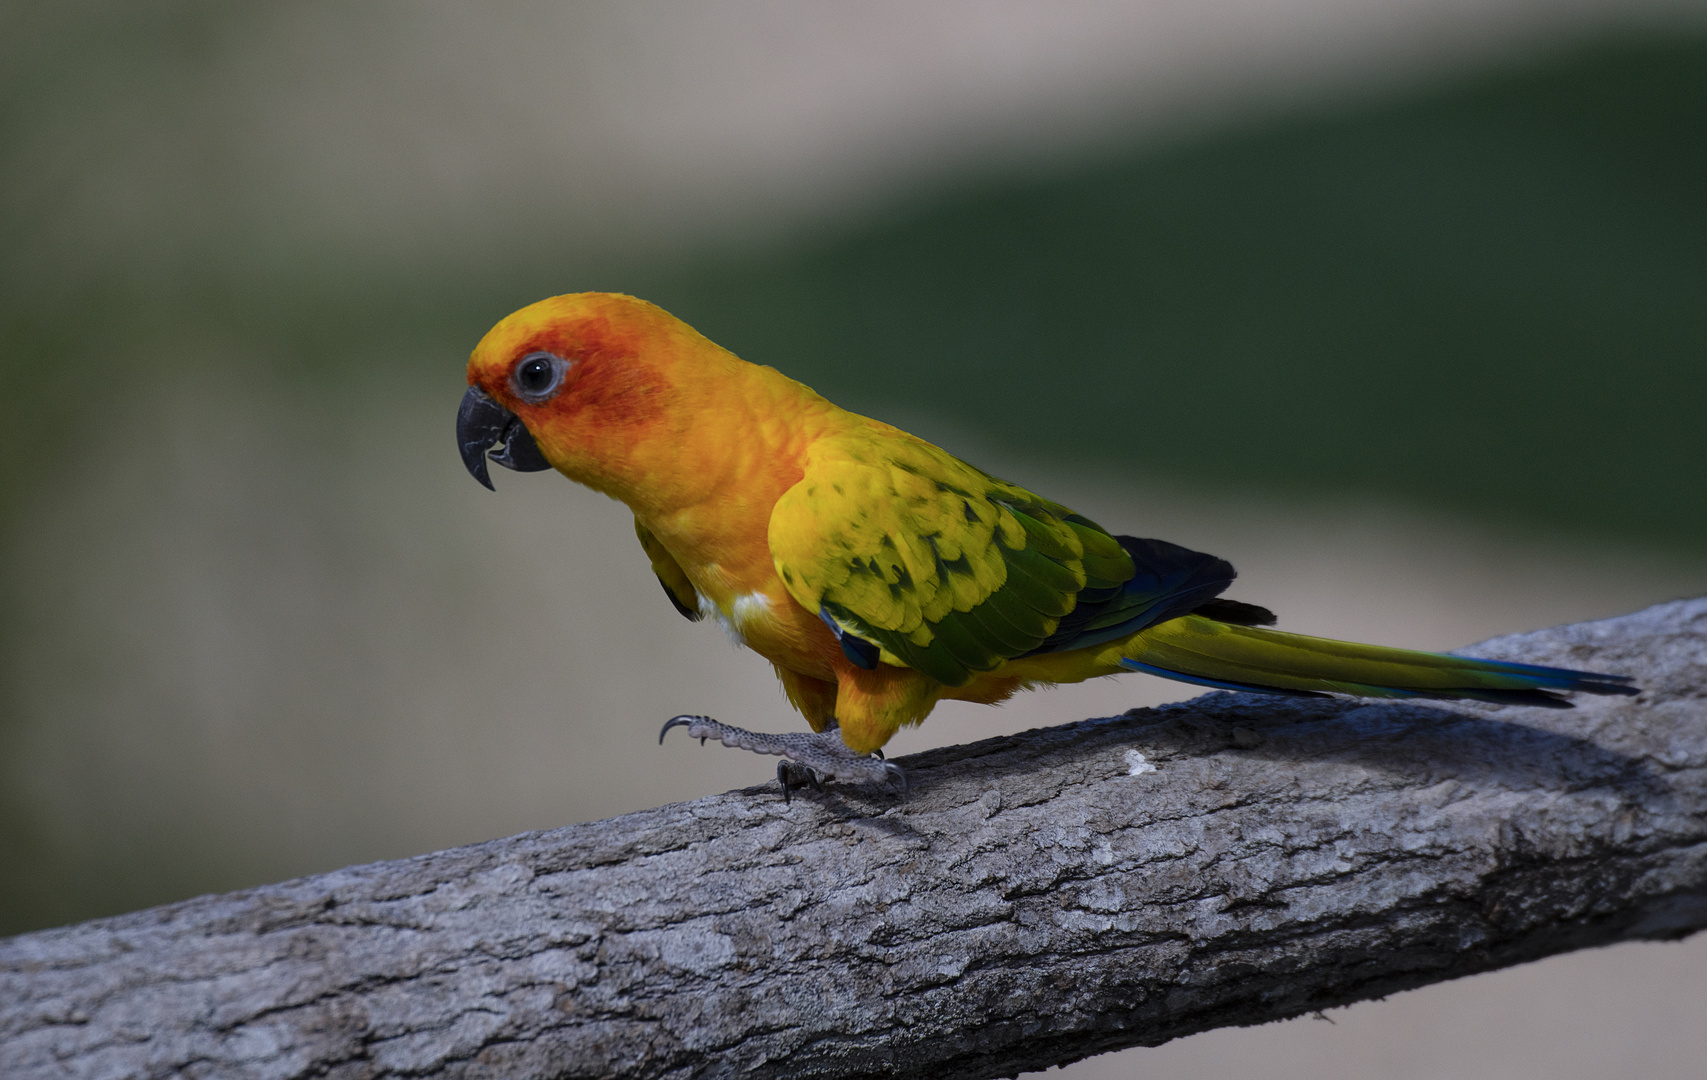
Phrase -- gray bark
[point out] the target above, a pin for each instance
(1037, 899)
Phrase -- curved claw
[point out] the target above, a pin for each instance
(896, 774)
(683, 720)
(785, 770)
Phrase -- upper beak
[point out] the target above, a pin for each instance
(481, 422)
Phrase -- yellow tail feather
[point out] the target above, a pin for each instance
(1205, 651)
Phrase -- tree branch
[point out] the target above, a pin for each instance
(1040, 898)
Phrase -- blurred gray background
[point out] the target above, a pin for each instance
(1401, 305)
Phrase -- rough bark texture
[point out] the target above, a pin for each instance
(1040, 898)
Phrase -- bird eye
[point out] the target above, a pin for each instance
(538, 376)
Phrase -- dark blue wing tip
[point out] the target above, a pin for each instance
(860, 652)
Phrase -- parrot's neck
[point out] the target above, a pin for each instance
(704, 473)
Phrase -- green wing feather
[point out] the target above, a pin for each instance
(946, 568)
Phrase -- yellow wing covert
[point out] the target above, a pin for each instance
(947, 569)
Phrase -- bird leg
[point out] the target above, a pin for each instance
(810, 757)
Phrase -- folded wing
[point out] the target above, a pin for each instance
(941, 566)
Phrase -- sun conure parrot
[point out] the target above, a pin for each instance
(877, 572)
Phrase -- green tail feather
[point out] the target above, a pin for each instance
(1207, 652)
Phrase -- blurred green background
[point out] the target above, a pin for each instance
(1457, 289)
(1489, 298)
(1484, 296)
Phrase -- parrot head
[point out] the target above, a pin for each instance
(574, 383)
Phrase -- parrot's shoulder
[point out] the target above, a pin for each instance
(944, 567)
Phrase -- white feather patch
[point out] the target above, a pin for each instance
(746, 608)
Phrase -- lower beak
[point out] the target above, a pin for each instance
(481, 423)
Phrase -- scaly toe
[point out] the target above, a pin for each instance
(820, 754)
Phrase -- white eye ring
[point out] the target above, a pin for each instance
(538, 376)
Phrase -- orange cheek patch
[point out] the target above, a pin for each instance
(605, 375)
(617, 392)
(607, 406)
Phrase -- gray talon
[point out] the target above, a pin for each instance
(899, 776)
(678, 721)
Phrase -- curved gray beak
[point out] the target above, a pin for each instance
(481, 423)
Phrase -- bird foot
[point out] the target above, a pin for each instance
(811, 757)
